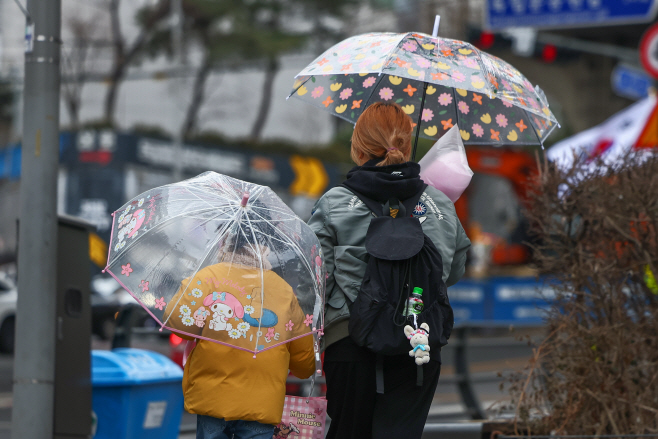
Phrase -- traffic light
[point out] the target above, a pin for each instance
(549, 53)
(486, 40)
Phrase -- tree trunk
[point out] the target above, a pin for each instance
(123, 56)
(266, 101)
(73, 108)
(197, 97)
(116, 73)
(112, 92)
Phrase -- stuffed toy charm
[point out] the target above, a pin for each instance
(419, 339)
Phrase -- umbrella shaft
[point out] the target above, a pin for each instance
(420, 115)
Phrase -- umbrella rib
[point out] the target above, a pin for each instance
(385, 63)
(171, 250)
(220, 199)
(257, 193)
(381, 70)
(298, 250)
(289, 241)
(200, 199)
(235, 222)
(483, 68)
(454, 100)
(373, 91)
(291, 215)
(141, 235)
(420, 114)
(300, 86)
(299, 254)
(541, 141)
(262, 285)
(219, 236)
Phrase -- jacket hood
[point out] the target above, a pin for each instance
(381, 183)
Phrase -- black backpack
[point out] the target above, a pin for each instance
(401, 257)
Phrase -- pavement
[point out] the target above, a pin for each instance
(487, 357)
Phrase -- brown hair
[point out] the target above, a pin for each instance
(382, 131)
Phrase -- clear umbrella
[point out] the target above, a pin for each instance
(220, 259)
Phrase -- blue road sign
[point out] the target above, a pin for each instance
(567, 13)
(521, 300)
(630, 83)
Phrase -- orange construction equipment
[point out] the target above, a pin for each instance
(514, 165)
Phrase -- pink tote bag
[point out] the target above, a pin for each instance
(303, 418)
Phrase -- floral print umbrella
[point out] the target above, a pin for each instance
(221, 260)
(439, 82)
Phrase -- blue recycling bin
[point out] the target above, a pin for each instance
(136, 394)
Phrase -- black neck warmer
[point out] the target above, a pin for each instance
(381, 183)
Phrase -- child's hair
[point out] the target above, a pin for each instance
(242, 236)
(382, 131)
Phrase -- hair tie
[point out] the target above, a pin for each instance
(391, 148)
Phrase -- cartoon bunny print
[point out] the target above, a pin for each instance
(224, 306)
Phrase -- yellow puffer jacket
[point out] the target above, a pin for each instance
(223, 381)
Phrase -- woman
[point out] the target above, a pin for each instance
(234, 394)
(381, 146)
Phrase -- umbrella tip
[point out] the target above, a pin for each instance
(435, 31)
(245, 198)
(254, 356)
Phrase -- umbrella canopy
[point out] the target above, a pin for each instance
(635, 127)
(220, 259)
(439, 82)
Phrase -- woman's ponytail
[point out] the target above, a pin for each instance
(382, 131)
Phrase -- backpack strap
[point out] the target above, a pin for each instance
(411, 203)
(375, 206)
(382, 210)
(379, 373)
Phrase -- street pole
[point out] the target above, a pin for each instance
(34, 358)
(177, 45)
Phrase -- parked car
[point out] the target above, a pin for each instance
(107, 299)
(8, 298)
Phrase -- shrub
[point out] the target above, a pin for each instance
(596, 371)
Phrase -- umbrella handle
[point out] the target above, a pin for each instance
(189, 347)
(245, 198)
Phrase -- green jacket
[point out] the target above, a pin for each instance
(340, 221)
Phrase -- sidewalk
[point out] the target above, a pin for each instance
(485, 362)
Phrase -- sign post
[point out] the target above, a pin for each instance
(502, 14)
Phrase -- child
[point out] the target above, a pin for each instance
(234, 393)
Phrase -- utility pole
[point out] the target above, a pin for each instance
(34, 358)
(177, 22)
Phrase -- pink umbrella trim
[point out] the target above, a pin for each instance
(320, 331)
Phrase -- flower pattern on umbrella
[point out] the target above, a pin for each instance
(465, 86)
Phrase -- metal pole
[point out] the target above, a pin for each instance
(34, 359)
(177, 45)
(420, 115)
